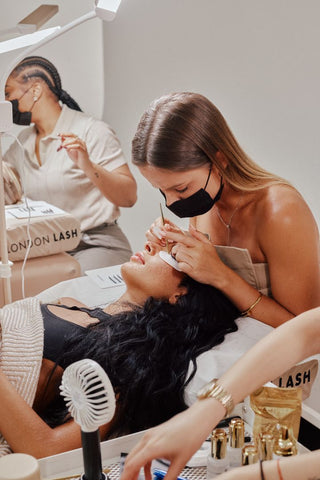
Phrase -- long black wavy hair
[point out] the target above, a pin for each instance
(147, 351)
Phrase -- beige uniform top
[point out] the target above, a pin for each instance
(239, 260)
(215, 362)
(58, 180)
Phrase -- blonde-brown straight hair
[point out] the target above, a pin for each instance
(181, 131)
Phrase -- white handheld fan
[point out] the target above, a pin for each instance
(90, 399)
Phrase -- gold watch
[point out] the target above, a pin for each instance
(214, 390)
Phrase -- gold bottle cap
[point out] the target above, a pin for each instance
(250, 455)
(285, 445)
(218, 443)
(265, 445)
(236, 433)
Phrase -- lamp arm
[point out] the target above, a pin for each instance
(6, 284)
(42, 42)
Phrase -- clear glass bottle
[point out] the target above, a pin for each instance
(236, 442)
(217, 461)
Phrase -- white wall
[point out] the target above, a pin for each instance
(258, 61)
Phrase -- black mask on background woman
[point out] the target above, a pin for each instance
(198, 203)
(19, 118)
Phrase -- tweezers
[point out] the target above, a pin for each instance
(162, 217)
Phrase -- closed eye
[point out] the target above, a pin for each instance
(181, 190)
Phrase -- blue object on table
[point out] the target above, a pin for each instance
(160, 474)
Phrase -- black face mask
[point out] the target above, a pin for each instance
(19, 118)
(198, 203)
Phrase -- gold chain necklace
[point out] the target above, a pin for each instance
(228, 225)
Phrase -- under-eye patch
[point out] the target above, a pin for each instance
(166, 257)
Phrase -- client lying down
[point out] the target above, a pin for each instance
(145, 342)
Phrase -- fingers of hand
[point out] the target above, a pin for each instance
(155, 239)
(157, 231)
(203, 237)
(175, 468)
(72, 141)
(157, 234)
(147, 471)
(182, 254)
(139, 457)
(178, 236)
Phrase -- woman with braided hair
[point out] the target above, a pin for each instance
(71, 160)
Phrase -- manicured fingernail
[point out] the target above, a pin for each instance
(157, 232)
(59, 148)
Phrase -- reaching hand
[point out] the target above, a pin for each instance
(76, 149)
(12, 184)
(156, 233)
(175, 440)
(197, 256)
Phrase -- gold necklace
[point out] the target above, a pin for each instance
(228, 225)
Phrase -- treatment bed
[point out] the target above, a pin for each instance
(100, 287)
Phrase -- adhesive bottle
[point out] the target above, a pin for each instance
(265, 445)
(285, 444)
(250, 454)
(217, 461)
(236, 442)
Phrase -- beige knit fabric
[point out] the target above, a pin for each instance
(21, 349)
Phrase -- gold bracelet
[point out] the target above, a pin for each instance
(247, 312)
(214, 390)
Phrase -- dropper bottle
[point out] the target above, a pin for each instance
(265, 445)
(285, 444)
(236, 441)
(250, 454)
(217, 461)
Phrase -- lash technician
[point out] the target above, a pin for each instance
(261, 247)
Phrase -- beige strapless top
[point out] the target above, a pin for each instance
(239, 260)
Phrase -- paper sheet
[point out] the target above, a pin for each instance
(106, 277)
(36, 209)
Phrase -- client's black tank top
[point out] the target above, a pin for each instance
(57, 330)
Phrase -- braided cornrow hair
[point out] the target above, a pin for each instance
(53, 80)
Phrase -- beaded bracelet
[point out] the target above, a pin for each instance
(248, 311)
